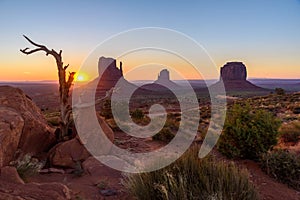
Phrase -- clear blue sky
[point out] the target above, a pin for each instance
(265, 34)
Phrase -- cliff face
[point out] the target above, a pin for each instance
(233, 71)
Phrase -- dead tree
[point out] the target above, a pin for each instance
(64, 85)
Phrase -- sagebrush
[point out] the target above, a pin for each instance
(192, 178)
(248, 133)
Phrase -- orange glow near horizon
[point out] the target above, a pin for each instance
(39, 67)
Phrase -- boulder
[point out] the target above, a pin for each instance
(68, 154)
(11, 126)
(10, 174)
(36, 136)
(34, 191)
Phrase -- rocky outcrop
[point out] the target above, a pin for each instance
(233, 71)
(22, 126)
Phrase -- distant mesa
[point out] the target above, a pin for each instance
(109, 75)
(108, 70)
(234, 76)
(163, 78)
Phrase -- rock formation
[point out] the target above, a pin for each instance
(109, 74)
(163, 78)
(22, 126)
(234, 76)
(233, 71)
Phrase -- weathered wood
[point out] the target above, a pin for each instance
(64, 84)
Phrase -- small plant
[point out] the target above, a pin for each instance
(291, 132)
(279, 91)
(192, 178)
(164, 135)
(137, 114)
(248, 134)
(103, 184)
(283, 166)
(106, 110)
(27, 166)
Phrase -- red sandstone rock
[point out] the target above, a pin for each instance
(11, 175)
(22, 125)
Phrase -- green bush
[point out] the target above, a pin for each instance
(27, 166)
(290, 132)
(247, 134)
(164, 135)
(283, 166)
(192, 178)
(279, 91)
(137, 114)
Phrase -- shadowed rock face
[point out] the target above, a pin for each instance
(109, 75)
(233, 71)
(234, 76)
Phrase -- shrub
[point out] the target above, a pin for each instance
(164, 135)
(279, 91)
(296, 110)
(137, 114)
(283, 166)
(290, 132)
(27, 166)
(192, 178)
(105, 110)
(248, 134)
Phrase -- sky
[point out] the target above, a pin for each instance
(264, 34)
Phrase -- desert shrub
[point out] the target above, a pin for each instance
(27, 166)
(283, 166)
(247, 134)
(137, 114)
(296, 110)
(164, 135)
(279, 91)
(192, 178)
(105, 110)
(290, 132)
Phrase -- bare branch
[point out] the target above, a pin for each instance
(65, 67)
(32, 51)
(33, 43)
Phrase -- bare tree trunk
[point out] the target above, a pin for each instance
(64, 85)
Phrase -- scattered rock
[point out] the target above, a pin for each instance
(11, 175)
(91, 165)
(108, 192)
(52, 170)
